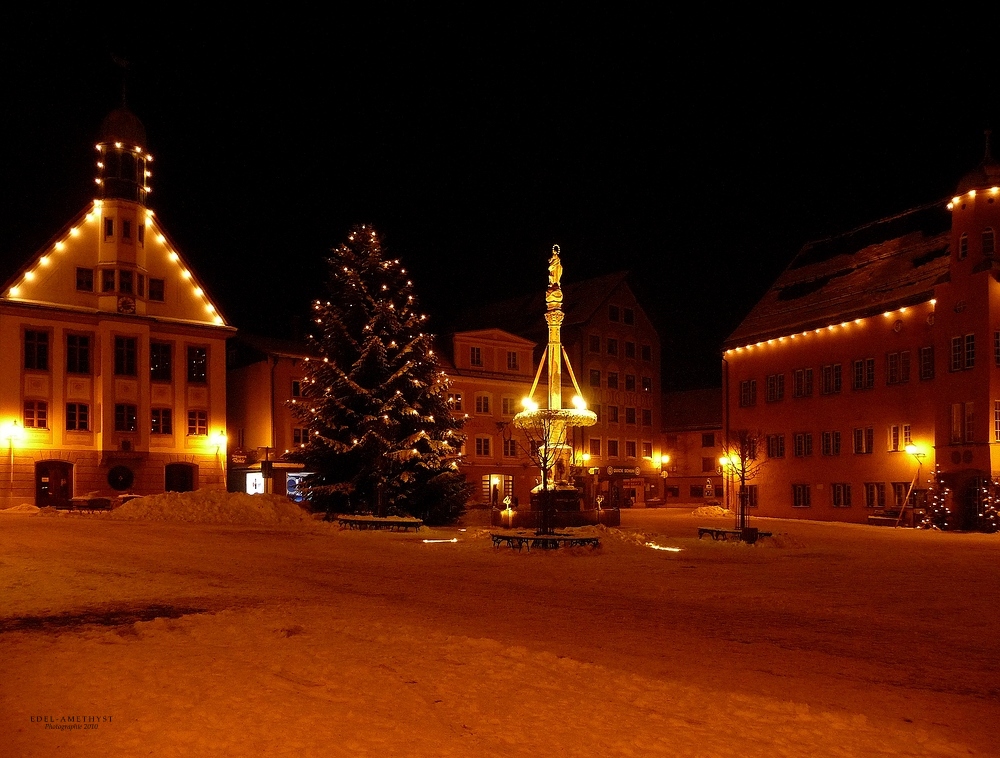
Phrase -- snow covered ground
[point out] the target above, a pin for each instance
(214, 629)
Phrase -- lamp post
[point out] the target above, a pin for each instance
(11, 431)
(919, 456)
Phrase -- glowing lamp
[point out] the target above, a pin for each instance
(579, 403)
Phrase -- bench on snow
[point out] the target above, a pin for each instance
(544, 541)
(726, 534)
(392, 523)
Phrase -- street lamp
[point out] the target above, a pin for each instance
(12, 432)
(919, 456)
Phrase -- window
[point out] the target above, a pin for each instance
(646, 351)
(612, 313)
(708, 439)
(802, 382)
(613, 380)
(612, 448)
(107, 280)
(595, 343)
(77, 354)
(85, 279)
(963, 246)
(630, 415)
(508, 406)
(77, 417)
(475, 356)
(197, 365)
(775, 446)
(647, 417)
(510, 448)
(630, 449)
(897, 367)
(595, 447)
(996, 348)
(748, 393)
(647, 449)
(160, 369)
(482, 403)
(483, 446)
(647, 384)
(697, 490)
(36, 350)
(963, 352)
(595, 377)
(874, 495)
(156, 290)
(597, 410)
(841, 495)
(630, 382)
(708, 465)
(894, 438)
(36, 414)
(864, 374)
(800, 496)
(126, 229)
(162, 421)
(962, 422)
(899, 490)
(299, 436)
(628, 316)
(775, 387)
(140, 284)
(630, 350)
(613, 414)
(907, 439)
(612, 346)
(989, 242)
(751, 495)
(864, 440)
(831, 443)
(803, 444)
(455, 401)
(512, 363)
(125, 417)
(125, 282)
(831, 378)
(141, 235)
(996, 420)
(125, 356)
(927, 363)
(296, 388)
(109, 228)
(198, 423)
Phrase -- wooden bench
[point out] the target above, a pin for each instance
(85, 505)
(390, 523)
(725, 534)
(543, 541)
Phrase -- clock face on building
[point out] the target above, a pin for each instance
(126, 305)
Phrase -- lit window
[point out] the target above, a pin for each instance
(36, 414)
(197, 365)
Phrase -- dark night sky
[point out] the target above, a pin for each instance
(698, 152)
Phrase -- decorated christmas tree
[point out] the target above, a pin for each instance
(380, 435)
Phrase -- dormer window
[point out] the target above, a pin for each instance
(989, 242)
(475, 356)
(963, 247)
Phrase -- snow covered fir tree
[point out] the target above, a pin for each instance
(381, 438)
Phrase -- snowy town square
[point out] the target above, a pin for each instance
(243, 628)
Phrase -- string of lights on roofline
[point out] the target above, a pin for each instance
(842, 325)
(971, 195)
(59, 246)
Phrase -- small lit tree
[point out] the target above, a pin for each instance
(743, 453)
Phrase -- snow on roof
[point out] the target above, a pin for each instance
(881, 266)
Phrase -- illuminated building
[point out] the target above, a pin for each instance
(615, 351)
(692, 429)
(874, 360)
(114, 375)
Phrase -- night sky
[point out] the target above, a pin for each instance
(698, 152)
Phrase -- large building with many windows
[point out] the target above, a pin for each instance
(871, 368)
(114, 379)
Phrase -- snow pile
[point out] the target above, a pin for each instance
(22, 508)
(212, 507)
(711, 510)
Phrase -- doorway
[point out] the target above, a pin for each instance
(53, 483)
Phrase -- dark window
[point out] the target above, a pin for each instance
(630, 415)
(630, 350)
(85, 279)
(963, 246)
(630, 382)
(141, 232)
(36, 414)
(647, 384)
(708, 439)
(156, 290)
(989, 242)
(36, 350)
(800, 496)
(612, 346)
(647, 352)
(630, 449)
(613, 414)
(197, 365)
(125, 417)
(613, 313)
(126, 230)
(140, 285)
(160, 363)
(595, 377)
(476, 356)
(109, 228)
(647, 417)
(77, 417)
(125, 282)
(125, 356)
(198, 422)
(612, 448)
(628, 316)
(748, 393)
(595, 447)
(595, 343)
(77, 354)
(927, 363)
(107, 280)
(162, 421)
(613, 380)
(296, 388)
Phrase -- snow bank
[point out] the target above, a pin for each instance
(711, 510)
(212, 507)
(22, 508)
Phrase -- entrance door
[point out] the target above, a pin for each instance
(53, 483)
(179, 477)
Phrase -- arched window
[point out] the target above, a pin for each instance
(989, 242)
